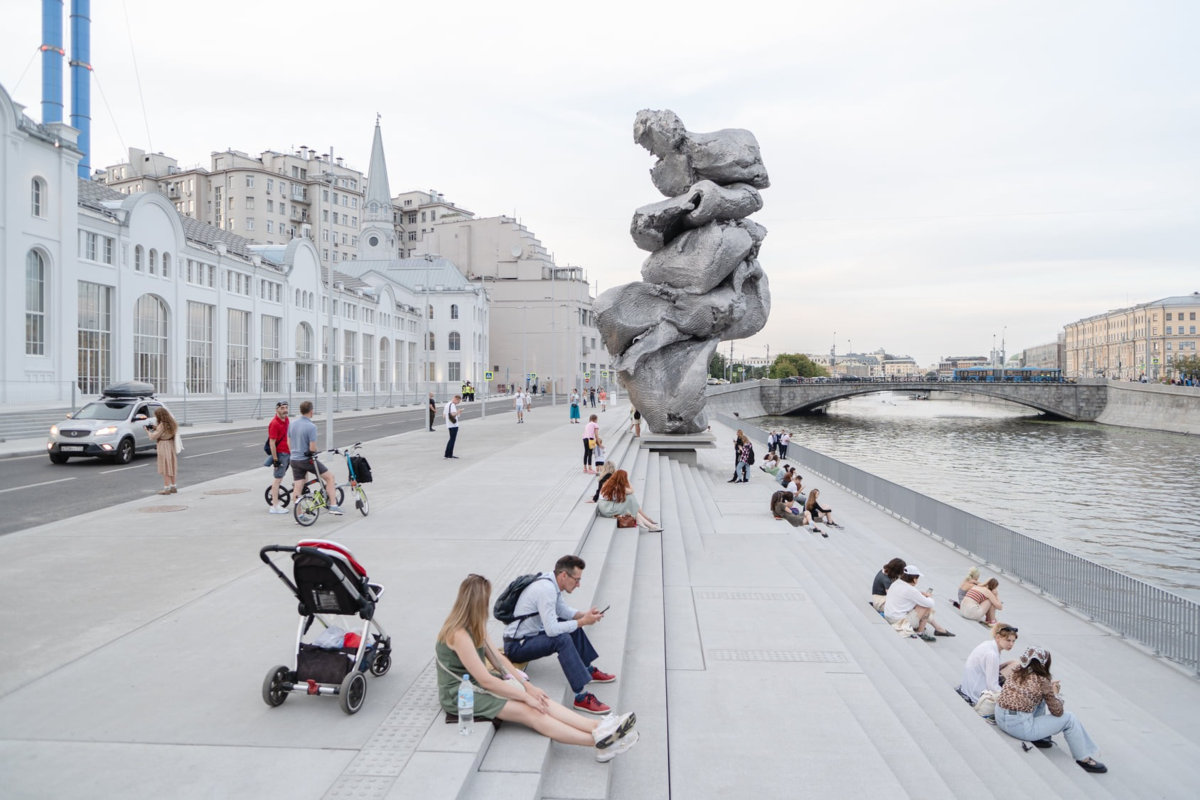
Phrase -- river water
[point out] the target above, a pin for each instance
(1122, 497)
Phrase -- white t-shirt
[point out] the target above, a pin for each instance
(792, 487)
(451, 408)
(520, 401)
(902, 598)
(982, 670)
(785, 439)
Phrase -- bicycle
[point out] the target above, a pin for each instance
(309, 506)
(285, 493)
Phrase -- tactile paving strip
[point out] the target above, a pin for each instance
(819, 657)
(797, 597)
(381, 760)
(524, 528)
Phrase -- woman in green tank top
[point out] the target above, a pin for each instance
(461, 645)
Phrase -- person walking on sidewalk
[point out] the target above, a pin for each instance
(432, 411)
(281, 454)
(461, 646)
(604, 400)
(302, 442)
(519, 405)
(452, 425)
(163, 431)
(574, 407)
(591, 440)
(545, 624)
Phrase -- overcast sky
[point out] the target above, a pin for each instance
(940, 170)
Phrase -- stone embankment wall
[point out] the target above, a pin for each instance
(1152, 407)
(735, 399)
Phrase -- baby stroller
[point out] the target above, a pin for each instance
(329, 581)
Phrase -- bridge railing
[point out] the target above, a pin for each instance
(1160, 620)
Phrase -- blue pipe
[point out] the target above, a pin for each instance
(81, 80)
(52, 58)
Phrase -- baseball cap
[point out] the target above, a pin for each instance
(911, 570)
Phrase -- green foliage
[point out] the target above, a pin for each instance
(796, 364)
(716, 367)
(1188, 367)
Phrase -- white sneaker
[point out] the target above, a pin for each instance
(620, 747)
(276, 510)
(612, 728)
(335, 510)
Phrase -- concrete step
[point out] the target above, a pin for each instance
(690, 509)
(703, 507)
(929, 679)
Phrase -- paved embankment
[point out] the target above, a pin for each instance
(1152, 407)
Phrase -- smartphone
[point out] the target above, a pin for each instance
(606, 608)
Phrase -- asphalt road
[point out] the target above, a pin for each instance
(33, 491)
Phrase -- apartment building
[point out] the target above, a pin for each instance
(1127, 343)
(415, 215)
(270, 199)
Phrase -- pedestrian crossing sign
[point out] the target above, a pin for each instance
(487, 376)
(587, 376)
(604, 374)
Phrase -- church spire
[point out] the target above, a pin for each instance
(379, 194)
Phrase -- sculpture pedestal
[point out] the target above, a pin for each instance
(680, 447)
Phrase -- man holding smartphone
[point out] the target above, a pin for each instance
(545, 624)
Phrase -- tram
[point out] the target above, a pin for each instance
(1008, 375)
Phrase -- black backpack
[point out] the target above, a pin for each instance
(506, 603)
(750, 456)
(362, 469)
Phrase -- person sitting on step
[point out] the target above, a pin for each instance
(969, 582)
(770, 464)
(544, 624)
(783, 506)
(781, 477)
(981, 603)
(605, 473)
(461, 646)
(814, 507)
(904, 601)
(983, 670)
(1027, 695)
(883, 580)
(616, 498)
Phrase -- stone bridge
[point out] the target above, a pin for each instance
(1073, 401)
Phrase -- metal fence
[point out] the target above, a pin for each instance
(1162, 621)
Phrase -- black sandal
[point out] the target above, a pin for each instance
(1092, 765)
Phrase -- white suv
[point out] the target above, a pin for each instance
(113, 427)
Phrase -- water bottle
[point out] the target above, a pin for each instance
(466, 707)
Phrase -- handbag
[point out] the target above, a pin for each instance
(986, 706)
(626, 521)
(591, 444)
(178, 443)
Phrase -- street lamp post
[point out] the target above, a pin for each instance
(330, 177)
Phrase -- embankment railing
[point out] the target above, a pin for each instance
(1162, 621)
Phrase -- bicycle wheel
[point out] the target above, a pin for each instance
(360, 500)
(306, 510)
(285, 495)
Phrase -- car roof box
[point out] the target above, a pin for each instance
(129, 389)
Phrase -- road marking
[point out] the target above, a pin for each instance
(213, 453)
(373, 426)
(30, 486)
(122, 469)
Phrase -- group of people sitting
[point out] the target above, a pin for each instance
(1015, 694)
(790, 503)
(544, 624)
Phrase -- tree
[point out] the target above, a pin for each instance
(1188, 367)
(796, 364)
(716, 367)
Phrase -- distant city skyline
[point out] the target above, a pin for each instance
(940, 173)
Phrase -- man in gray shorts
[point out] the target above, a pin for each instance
(302, 438)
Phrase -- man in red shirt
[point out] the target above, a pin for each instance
(281, 453)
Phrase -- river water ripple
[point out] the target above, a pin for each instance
(1122, 497)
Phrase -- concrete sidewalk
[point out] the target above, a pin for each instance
(137, 637)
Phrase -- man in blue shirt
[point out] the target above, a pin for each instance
(302, 439)
(545, 624)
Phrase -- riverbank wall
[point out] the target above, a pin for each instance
(1152, 407)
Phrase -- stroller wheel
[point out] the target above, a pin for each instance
(382, 663)
(353, 692)
(272, 691)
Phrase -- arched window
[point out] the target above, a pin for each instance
(454, 340)
(153, 261)
(138, 255)
(37, 197)
(35, 304)
(431, 312)
(304, 353)
(454, 311)
(166, 265)
(310, 301)
(298, 299)
(150, 342)
(429, 342)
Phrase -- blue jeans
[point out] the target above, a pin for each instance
(741, 472)
(575, 654)
(1038, 725)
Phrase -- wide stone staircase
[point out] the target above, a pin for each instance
(892, 697)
